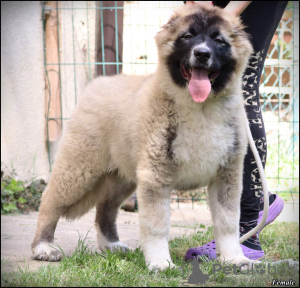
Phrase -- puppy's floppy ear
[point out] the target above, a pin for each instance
(241, 44)
(239, 31)
(242, 39)
(171, 23)
(166, 30)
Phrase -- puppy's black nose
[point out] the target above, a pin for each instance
(202, 54)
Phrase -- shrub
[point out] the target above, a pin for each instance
(18, 195)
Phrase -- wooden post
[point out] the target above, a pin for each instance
(109, 31)
(53, 107)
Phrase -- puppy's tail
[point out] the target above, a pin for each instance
(264, 185)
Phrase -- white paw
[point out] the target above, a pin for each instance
(162, 265)
(104, 244)
(44, 252)
(156, 253)
(113, 246)
(242, 262)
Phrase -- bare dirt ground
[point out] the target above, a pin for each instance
(17, 231)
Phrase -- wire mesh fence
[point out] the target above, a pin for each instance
(85, 39)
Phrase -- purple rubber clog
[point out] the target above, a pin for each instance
(208, 251)
(274, 210)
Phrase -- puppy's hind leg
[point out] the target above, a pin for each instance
(114, 190)
(73, 176)
(49, 214)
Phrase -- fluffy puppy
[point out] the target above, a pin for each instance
(180, 128)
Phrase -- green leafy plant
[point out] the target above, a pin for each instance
(17, 195)
(9, 190)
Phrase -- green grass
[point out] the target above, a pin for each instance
(89, 268)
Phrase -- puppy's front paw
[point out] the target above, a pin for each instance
(157, 255)
(162, 265)
(44, 252)
(242, 262)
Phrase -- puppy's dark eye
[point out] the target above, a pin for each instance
(187, 36)
(219, 40)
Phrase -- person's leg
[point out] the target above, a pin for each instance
(261, 19)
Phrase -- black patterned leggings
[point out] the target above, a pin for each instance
(261, 19)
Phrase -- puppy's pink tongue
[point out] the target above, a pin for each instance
(199, 84)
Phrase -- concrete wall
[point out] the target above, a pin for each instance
(23, 142)
(23, 121)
